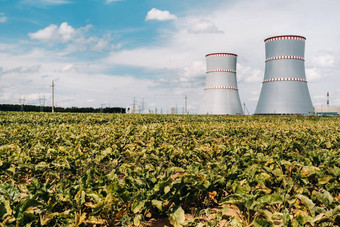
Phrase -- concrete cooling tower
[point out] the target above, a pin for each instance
(221, 93)
(284, 88)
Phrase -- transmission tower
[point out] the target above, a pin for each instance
(245, 108)
(134, 105)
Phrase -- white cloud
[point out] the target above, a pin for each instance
(90, 100)
(3, 19)
(204, 26)
(326, 60)
(76, 39)
(313, 74)
(53, 33)
(67, 68)
(156, 14)
(249, 74)
(196, 69)
(101, 45)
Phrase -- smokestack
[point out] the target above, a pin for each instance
(327, 99)
(221, 93)
(284, 88)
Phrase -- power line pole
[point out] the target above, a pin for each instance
(52, 95)
(102, 108)
(41, 103)
(22, 103)
(186, 104)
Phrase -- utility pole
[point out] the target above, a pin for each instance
(186, 104)
(52, 95)
(41, 103)
(22, 103)
(101, 108)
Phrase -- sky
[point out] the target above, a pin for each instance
(108, 53)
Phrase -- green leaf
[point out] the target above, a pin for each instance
(302, 218)
(138, 207)
(5, 208)
(286, 218)
(137, 219)
(158, 204)
(236, 222)
(79, 219)
(24, 205)
(310, 170)
(10, 192)
(80, 198)
(308, 203)
(167, 189)
(325, 197)
(47, 218)
(325, 179)
(177, 218)
(262, 223)
(270, 199)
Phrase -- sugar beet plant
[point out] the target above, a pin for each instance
(120, 170)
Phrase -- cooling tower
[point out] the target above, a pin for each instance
(221, 93)
(284, 88)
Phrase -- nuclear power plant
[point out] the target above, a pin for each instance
(221, 93)
(284, 88)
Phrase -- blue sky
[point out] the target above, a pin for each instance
(104, 52)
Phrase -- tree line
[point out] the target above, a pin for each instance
(33, 108)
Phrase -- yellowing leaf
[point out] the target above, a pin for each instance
(177, 218)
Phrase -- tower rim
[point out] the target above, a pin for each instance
(284, 36)
(222, 54)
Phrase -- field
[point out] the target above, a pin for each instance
(125, 170)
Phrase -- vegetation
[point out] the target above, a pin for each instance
(32, 108)
(99, 169)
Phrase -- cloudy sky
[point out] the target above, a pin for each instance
(108, 52)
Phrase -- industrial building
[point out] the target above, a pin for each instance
(284, 88)
(326, 110)
(221, 93)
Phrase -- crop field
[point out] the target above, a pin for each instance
(143, 170)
